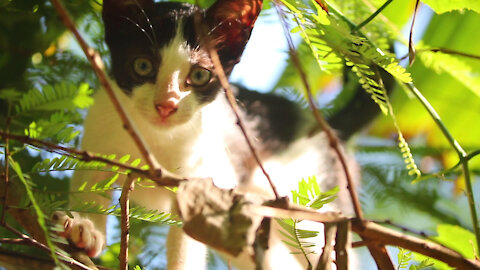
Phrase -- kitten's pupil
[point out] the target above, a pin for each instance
(142, 66)
(199, 76)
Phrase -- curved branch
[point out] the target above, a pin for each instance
(382, 235)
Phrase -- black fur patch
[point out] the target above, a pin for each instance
(140, 28)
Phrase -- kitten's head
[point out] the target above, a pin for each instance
(160, 60)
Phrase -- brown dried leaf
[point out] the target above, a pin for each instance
(222, 218)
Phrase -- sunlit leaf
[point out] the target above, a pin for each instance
(455, 67)
(441, 6)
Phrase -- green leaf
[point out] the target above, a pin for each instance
(309, 194)
(57, 127)
(124, 159)
(295, 235)
(62, 96)
(454, 237)
(38, 211)
(441, 6)
(457, 238)
(453, 65)
(10, 94)
(138, 213)
(64, 163)
(404, 257)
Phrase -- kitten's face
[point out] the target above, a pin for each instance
(158, 58)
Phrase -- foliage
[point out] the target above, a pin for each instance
(331, 40)
(404, 258)
(455, 237)
(309, 195)
(46, 85)
(441, 6)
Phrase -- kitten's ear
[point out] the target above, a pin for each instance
(120, 13)
(231, 23)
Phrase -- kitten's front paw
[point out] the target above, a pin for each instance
(80, 232)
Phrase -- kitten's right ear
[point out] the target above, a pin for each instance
(231, 23)
(120, 13)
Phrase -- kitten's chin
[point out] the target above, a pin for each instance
(168, 122)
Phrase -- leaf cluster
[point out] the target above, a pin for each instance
(309, 195)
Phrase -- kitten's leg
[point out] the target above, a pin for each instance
(88, 231)
(81, 232)
(184, 252)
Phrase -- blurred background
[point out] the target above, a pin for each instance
(37, 51)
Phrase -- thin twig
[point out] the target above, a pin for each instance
(6, 174)
(222, 77)
(378, 252)
(16, 241)
(403, 228)
(97, 65)
(332, 138)
(464, 158)
(60, 255)
(445, 51)
(436, 118)
(454, 52)
(128, 186)
(411, 47)
(24, 261)
(166, 179)
(299, 213)
(371, 17)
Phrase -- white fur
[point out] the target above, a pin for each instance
(193, 143)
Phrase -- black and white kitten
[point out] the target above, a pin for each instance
(165, 80)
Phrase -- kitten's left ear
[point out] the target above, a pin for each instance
(119, 15)
(231, 23)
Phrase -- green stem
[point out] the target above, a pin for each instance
(471, 201)
(300, 246)
(362, 24)
(436, 118)
(464, 158)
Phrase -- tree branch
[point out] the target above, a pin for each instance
(6, 173)
(97, 65)
(166, 179)
(374, 232)
(222, 77)
(128, 186)
(332, 138)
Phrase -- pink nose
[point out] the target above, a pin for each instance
(167, 109)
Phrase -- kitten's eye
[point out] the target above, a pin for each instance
(142, 66)
(199, 76)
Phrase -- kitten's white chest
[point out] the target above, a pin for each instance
(193, 149)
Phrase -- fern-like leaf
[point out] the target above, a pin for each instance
(58, 126)
(64, 163)
(404, 257)
(38, 211)
(427, 263)
(63, 96)
(309, 194)
(139, 213)
(295, 237)
(407, 156)
(457, 68)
